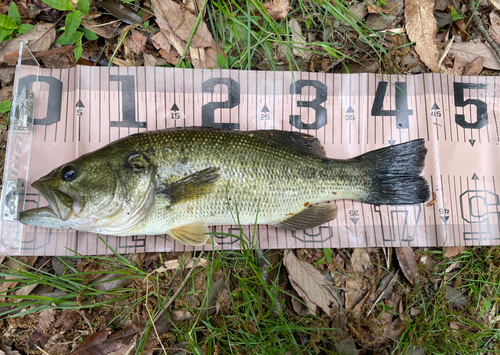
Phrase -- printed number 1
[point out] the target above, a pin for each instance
(401, 112)
(481, 107)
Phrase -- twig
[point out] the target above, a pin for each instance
(446, 51)
(82, 312)
(480, 27)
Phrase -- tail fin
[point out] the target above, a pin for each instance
(395, 174)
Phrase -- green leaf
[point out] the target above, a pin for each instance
(25, 28)
(61, 5)
(145, 24)
(89, 34)
(73, 20)
(83, 6)
(14, 13)
(7, 22)
(5, 106)
(328, 255)
(455, 15)
(4, 33)
(78, 50)
(65, 40)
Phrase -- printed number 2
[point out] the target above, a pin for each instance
(233, 100)
(481, 107)
(321, 96)
(401, 112)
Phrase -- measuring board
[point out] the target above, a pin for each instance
(81, 109)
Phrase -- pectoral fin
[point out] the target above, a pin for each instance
(311, 217)
(190, 187)
(191, 234)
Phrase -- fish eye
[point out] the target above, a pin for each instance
(69, 173)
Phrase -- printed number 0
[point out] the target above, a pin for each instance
(321, 96)
(481, 107)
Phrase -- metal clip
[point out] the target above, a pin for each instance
(14, 191)
(23, 112)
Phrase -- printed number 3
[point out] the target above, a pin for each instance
(481, 107)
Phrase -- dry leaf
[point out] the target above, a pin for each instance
(495, 4)
(422, 29)
(408, 263)
(470, 51)
(12, 57)
(40, 39)
(277, 9)
(360, 260)
(379, 22)
(374, 9)
(450, 252)
(122, 11)
(106, 341)
(459, 65)
(299, 42)
(180, 315)
(149, 60)
(7, 350)
(67, 319)
(311, 285)
(102, 30)
(354, 292)
(45, 320)
(175, 264)
(28, 260)
(495, 26)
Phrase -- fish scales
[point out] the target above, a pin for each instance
(179, 181)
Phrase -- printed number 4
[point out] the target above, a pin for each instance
(401, 112)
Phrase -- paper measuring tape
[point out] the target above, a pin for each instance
(81, 109)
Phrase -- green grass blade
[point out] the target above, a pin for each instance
(61, 5)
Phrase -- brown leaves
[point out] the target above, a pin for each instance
(277, 9)
(176, 25)
(39, 38)
(105, 342)
(470, 51)
(408, 263)
(311, 285)
(422, 29)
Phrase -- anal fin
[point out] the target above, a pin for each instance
(311, 217)
(191, 234)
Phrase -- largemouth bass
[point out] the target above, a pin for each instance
(180, 181)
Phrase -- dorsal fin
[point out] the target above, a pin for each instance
(301, 142)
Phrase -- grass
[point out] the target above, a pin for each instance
(250, 36)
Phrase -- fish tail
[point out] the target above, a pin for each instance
(395, 174)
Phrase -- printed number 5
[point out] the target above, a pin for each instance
(481, 107)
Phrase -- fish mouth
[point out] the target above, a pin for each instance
(60, 205)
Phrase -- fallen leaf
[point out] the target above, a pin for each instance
(149, 60)
(40, 38)
(396, 328)
(175, 264)
(67, 319)
(299, 307)
(37, 337)
(105, 342)
(102, 30)
(57, 344)
(8, 350)
(122, 11)
(311, 285)
(408, 263)
(10, 263)
(277, 9)
(356, 290)
(360, 260)
(12, 57)
(181, 315)
(470, 51)
(458, 69)
(139, 39)
(45, 320)
(379, 22)
(374, 9)
(450, 252)
(107, 282)
(346, 347)
(422, 29)
(455, 296)
(495, 4)
(299, 42)
(495, 26)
